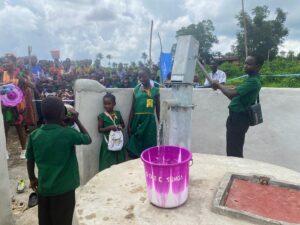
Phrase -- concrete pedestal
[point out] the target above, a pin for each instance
(5, 202)
(118, 195)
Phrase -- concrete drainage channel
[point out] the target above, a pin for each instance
(258, 199)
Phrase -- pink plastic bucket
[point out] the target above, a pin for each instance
(167, 175)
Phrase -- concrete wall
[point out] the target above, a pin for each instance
(5, 202)
(275, 141)
(88, 98)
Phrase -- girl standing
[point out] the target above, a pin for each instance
(142, 125)
(110, 120)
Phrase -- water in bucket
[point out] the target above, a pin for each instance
(167, 175)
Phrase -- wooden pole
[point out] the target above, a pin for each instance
(29, 60)
(150, 46)
(35, 90)
(161, 48)
(245, 30)
(204, 71)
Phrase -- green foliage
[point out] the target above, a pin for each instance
(144, 57)
(204, 33)
(200, 73)
(231, 70)
(264, 36)
(277, 66)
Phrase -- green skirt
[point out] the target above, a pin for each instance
(143, 134)
(108, 158)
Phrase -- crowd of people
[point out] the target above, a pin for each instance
(60, 73)
(41, 78)
(51, 147)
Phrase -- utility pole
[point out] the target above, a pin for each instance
(150, 47)
(245, 29)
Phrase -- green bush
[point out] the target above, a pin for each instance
(231, 70)
(277, 66)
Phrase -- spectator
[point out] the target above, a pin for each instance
(36, 69)
(216, 74)
(125, 83)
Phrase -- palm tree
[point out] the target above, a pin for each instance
(109, 58)
(99, 57)
(144, 57)
(133, 64)
(114, 65)
(141, 64)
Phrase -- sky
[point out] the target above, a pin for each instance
(82, 28)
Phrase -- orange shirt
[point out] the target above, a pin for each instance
(7, 79)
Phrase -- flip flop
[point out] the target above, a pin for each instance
(21, 186)
(33, 200)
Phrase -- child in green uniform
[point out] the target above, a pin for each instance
(142, 125)
(108, 121)
(52, 149)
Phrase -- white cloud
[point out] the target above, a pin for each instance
(224, 44)
(203, 9)
(291, 45)
(16, 17)
(83, 28)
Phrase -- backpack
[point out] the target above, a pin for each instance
(115, 140)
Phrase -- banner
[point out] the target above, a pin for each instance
(165, 65)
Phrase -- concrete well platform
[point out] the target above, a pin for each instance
(118, 195)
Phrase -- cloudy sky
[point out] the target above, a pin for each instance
(83, 28)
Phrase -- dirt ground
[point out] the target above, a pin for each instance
(17, 170)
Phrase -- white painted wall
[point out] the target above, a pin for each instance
(88, 98)
(5, 202)
(275, 141)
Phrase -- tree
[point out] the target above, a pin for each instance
(114, 65)
(109, 58)
(99, 57)
(282, 54)
(291, 55)
(133, 64)
(264, 36)
(203, 33)
(144, 57)
(217, 54)
(141, 64)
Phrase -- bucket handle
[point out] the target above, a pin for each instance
(191, 162)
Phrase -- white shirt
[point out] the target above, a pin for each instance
(219, 75)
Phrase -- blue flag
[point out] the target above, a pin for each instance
(165, 65)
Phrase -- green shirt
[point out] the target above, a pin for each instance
(248, 92)
(145, 101)
(52, 147)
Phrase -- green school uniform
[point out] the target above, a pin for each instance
(108, 158)
(52, 147)
(248, 92)
(143, 126)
